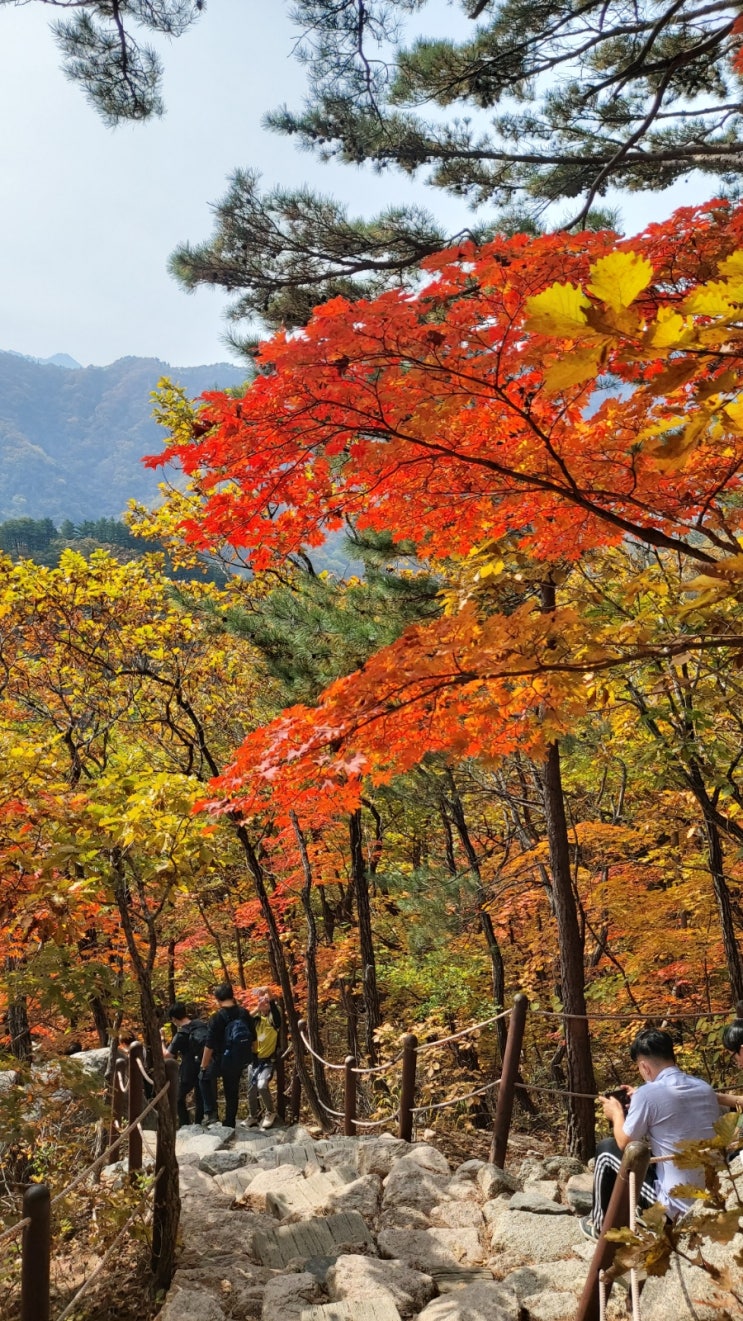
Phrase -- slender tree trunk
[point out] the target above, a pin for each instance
(217, 942)
(310, 968)
(240, 959)
(724, 908)
(171, 970)
(100, 1019)
(581, 1114)
(283, 977)
(366, 937)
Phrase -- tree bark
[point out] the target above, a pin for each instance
(580, 1108)
(366, 937)
(283, 978)
(310, 968)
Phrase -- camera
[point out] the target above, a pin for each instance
(620, 1094)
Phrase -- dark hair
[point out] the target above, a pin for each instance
(652, 1043)
(178, 1011)
(127, 1037)
(223, 992)
(732, 1037)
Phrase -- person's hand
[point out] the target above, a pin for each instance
(612, 1109)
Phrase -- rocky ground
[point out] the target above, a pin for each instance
(279, 1227)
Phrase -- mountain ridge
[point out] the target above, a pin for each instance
(72, 440)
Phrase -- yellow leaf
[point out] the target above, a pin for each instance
(733, 414)
(619, 277)
(573, 368)
(558, 310)
(670, 329)
(709, 300)
(732, 266)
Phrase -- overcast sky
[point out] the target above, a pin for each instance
(89, 215)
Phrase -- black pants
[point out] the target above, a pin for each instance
(188, 1081)
(230, 1087)
(608, 1160)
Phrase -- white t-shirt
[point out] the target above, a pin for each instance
(672, 1109)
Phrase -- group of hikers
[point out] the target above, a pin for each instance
(234, 1042)
(670, 1108)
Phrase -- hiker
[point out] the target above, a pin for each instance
(672, 1107)
(227, 1053)
(732, 1040)
(267, 1024)
(187, 1046)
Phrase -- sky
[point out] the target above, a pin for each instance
(89, 214)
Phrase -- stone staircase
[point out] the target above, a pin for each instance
(279, 1227)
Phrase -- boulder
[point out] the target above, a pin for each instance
(428, 1158)
(468, 1172)
(286, 1296)
(520, 1238)
(356, 1279)
(294, 1133)
(475, 1302)
(687, 1293)
(532, 1168)
(191, 1148)
(579, 1192)
(418, 1249)
(548, 1188)
(410, 1184)
(363, 1195)
(235, 1183)
(529, 1282)
(535, 1203)
(378, 1155)
(463, 1244)
(190, 1305)
(268, 1181)
(457, 1215)
(92, 1062)
(220, 1162)
(403, 1217)
(562, 1167)
(494, 1182)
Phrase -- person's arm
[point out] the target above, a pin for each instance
(214, 1037)
(615, 1114)
(175, 1048)
(727, 1099)
(275, 1014)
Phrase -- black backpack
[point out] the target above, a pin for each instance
(197, 1033)
(238, 1043)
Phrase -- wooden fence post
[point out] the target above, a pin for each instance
(136, 1104)
(349, 1097)
(166, 1207)
(36, 1253)
(407, 1088)
(295, 1100)
(509, 1072)
(636, 1158)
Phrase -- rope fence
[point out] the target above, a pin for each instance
(38, 1204)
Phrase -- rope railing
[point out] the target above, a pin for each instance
(457, 1100)
(456, 1036)
(113, 1146)
(640, 1016)
(378, 1068)
(10, 1233)
(150, 1081)
(71, 1306)
(325, 1063)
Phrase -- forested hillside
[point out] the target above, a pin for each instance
(72, 440)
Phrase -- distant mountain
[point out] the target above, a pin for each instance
(71, 441)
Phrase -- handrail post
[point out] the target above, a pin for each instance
(636, 1158)
(407, 1087)
(349, 1097)
(136, 1105)
(36, 1254)
(509, 1073)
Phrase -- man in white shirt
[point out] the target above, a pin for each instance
(672, 1107)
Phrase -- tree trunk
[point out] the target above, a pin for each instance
(581, 1114)
(283, 978)
(724, 908)
(171, 970)
(581, 1117)
(310, 969)
(240, 959)
(366, 937)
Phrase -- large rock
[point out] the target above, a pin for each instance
(356, 1279)
(378, 1155)
(363, 1195)
(411, 1184)
(429, 1158)
(579, 1192)
(559, 1276)
(562, 1167)
(287, 1296)
(535, 1203)
(269, 1181)
(403, 1217)
(686, 1293)
(190, 1305)
(476, 1302)
(457, 1215)
(191, 1148)
(463, 1244)
(418, 1249)
(92, 1062)
(468, 1172)
(521, 1239)
(220, 1162)
(494, 1182)
(300, 1197)
(235, 1183)
(548, 1188)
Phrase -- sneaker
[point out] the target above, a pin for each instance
(213, 1118)
(268, 1121)
(588, 1229)
(252, 1121)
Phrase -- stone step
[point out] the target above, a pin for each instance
(302, 1196)
(374, 1309)
(290, 1153)
(320, 1237)
(449, 1280)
